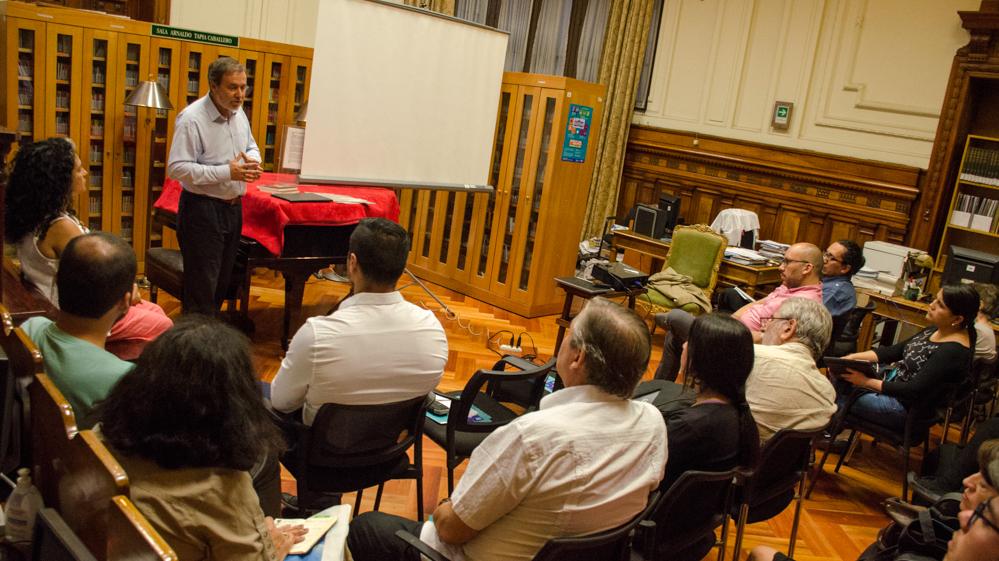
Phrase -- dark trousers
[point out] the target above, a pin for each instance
(208, 231)
(677, 324)
(266, 477)
(372, 537)
(730, 301)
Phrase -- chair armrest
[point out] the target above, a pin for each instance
(646, 532)
(515, 361)
(424, 549)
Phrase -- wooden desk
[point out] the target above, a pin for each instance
(894, 308)
(729, 273)
(573, 290)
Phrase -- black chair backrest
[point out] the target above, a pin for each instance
(609, 545)
(783, 459)
(362, 435)
(692, 507)
(55, 541)
(846, 331)
(457, 419)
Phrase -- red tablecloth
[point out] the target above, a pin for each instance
(264, 217)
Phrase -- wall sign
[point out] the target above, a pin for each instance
(191, 35)
(782, 115)
(577, 132)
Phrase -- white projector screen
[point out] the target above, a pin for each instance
(401, 97)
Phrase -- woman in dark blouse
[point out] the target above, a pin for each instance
(717, 432)
(919, 369)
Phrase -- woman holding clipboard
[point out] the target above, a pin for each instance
(913, 371)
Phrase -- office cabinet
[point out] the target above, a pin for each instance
(505, 247)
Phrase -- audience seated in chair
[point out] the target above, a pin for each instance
(96, 279)
(46, 176)
(840, 262)
(718, 432)
(799, 273)
(186, 425)
(985, 344)
(376, 347)
(919, 369)
(786, 390)
(524, 482)
(978, 536)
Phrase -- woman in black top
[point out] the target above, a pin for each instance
(717, 432)
(915, 371)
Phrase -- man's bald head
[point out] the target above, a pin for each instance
(95, 271)
(802, 265)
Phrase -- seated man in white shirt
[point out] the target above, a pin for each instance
(583, 463)
(785, 389)
(376, 347)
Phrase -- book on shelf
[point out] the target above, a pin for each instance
(981, 165)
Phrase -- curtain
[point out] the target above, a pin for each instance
(591, 40)
(472, 10)
(515, 18)
(550, 37)
(623, 53)
(440, 6)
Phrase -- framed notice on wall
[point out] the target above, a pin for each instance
(577, 132)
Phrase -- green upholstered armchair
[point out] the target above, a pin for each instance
(696, 251)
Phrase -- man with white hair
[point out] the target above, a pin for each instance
(785, 390)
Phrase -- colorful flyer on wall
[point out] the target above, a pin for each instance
(576, 133)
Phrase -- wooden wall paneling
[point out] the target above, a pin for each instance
(798, 195)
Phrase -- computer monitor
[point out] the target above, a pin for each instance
(670, 207)
(970, 265)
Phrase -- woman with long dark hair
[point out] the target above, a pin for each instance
(718, 432)
(186, 425)
(914, 371)
(40, 221)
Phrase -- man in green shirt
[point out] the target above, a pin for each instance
(96, 281)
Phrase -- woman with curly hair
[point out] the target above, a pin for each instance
(186, 425)
(40, 222)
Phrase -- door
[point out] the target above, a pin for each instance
(100, 61)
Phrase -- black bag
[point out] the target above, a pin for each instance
(923, 539)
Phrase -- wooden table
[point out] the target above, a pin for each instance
(895, 309)
(585, 291)
(729, 273)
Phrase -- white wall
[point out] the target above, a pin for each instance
(284, 21)
(866, 77)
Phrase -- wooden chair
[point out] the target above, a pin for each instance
(74, 471)
(24, 361)
(131, 537)
(695, 251)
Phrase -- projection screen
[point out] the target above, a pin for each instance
(401, 97)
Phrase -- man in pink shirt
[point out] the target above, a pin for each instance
(800, 277)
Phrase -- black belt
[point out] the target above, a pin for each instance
(231, 202)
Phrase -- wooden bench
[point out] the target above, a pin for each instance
(23, 361)
(131, 537)
(22, 299)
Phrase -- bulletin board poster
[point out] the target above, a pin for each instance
(576, 133)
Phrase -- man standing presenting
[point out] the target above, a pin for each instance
(213, 155)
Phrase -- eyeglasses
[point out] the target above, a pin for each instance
(979, 514)
(766, 321)
(785, 261)
(830, 257)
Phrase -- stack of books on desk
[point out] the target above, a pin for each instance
(772, 250)
(744, 256)
(874, 280)
(278, 188)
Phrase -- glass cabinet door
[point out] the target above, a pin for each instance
(271, 86)
(486, 204)
(63, 78)
(165, 65)
(253, 62)
(509, 203)
(100, 55)
(25, 51)
(132, 145)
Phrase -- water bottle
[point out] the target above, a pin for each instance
(22, 508)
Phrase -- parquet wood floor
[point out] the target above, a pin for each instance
(837, 523)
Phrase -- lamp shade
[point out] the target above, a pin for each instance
(149, 94)
(303, 113)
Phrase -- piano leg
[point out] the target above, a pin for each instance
(294, 292)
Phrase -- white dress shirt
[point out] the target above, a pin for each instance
(376, 348)
(204, 142)
(585, 462)
(785, 390)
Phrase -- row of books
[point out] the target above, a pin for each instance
(24, 67)
(981, 165)
(977, 213)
